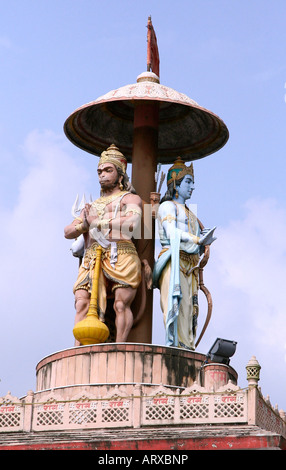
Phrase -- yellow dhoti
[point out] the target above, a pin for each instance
(188, 313)
(125, 273)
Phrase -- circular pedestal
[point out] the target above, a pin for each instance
(120, 364)
(116, 385)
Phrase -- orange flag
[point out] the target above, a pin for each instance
(153, 60)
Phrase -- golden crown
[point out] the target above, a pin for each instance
(114, 156)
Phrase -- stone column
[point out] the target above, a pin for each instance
(253, 372)
(215, 376)
(137, 405)
(253, 375)
(28, 413)
(144, 165)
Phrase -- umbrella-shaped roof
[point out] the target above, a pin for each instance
(185, 128)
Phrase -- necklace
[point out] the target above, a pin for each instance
(190, 217)
(101, 203)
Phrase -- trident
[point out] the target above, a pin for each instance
(76, 209)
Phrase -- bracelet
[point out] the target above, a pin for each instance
(80, 228)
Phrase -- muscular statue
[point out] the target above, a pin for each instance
(176, 270)
(109, 221)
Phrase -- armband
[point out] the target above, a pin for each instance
(134, 211)
(169, 218)
(80, 228)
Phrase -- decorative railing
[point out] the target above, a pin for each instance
(161, 406)
(11, 414)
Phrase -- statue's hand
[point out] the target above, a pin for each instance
(204, 231)
(207, 238)
(86, 219)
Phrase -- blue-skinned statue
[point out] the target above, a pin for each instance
(176, 271)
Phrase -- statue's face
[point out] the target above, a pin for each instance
(186, 187)
(107, 176)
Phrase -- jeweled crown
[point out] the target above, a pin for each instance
(114, 156)
(179, 170)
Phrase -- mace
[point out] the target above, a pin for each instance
(91, 330)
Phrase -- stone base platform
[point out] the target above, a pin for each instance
(132, 396)
(154, 441)
(126, 364)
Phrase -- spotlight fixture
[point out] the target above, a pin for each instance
(221, 351)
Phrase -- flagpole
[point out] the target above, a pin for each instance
(144, 166)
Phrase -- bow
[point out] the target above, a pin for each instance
(207, 293)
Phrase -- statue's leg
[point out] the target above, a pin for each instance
(185, 319)
(82, 298)
(164, 285)
(124, 297)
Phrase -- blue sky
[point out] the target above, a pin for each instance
(227, 55)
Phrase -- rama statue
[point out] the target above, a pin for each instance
(110, 221)
(176, 270)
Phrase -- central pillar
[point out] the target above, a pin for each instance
(144, 166)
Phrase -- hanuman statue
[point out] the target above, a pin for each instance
(109, 221)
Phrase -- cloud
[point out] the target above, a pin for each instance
(252, 259)
(246, 276)
(46, 194)
(38, 269)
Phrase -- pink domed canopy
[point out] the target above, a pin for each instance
(185, 129)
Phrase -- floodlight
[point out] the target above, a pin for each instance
(222, 350)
